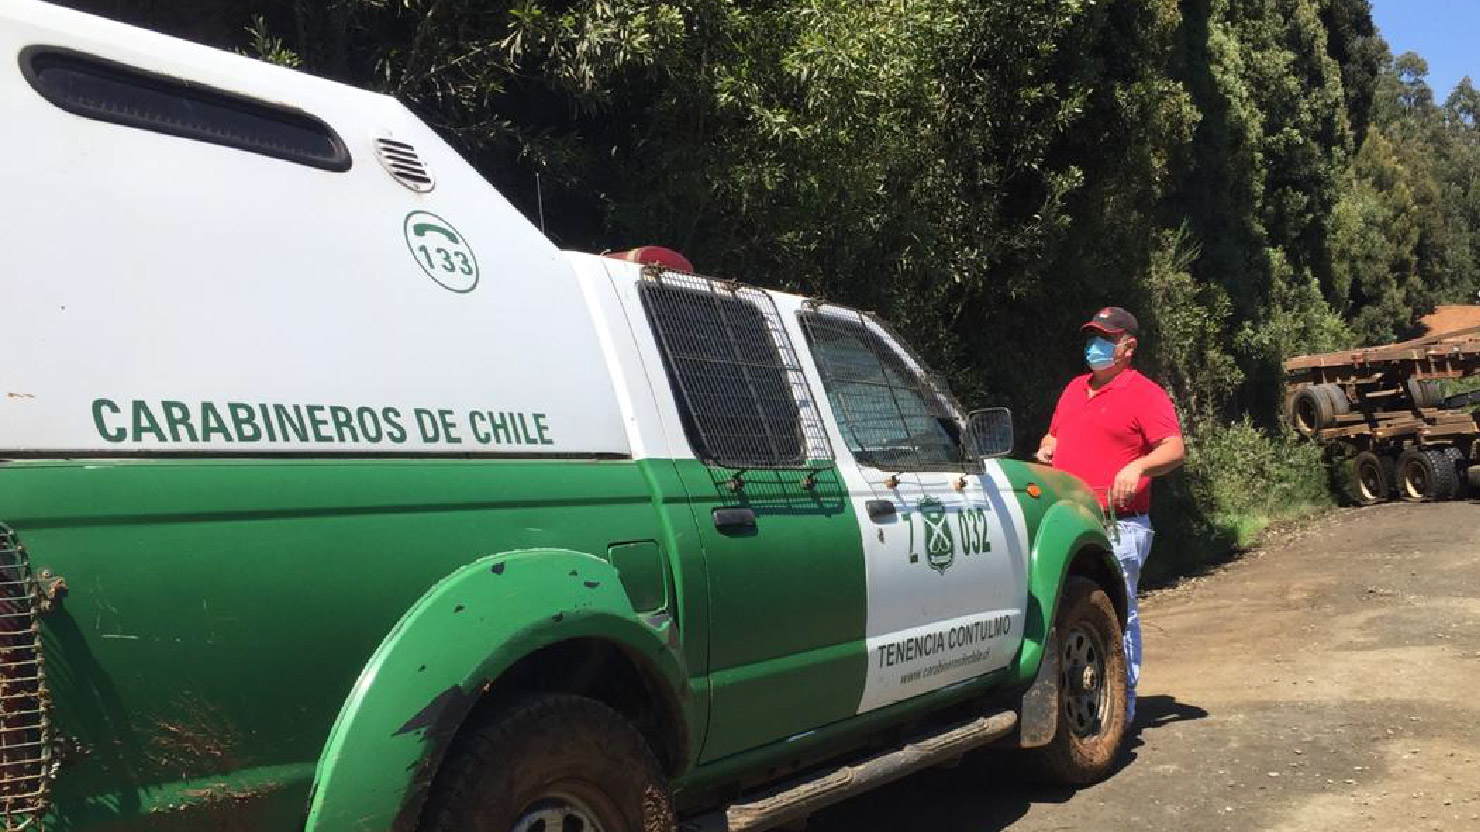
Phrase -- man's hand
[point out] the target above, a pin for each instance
(1045, 449)
(1126, 483)
(1164, 458)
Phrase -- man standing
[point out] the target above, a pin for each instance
(1116, 429)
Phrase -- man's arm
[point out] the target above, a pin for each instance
(1165, 457)
(1050, 440)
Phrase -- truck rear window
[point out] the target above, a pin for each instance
(105, 90)
(734, 372)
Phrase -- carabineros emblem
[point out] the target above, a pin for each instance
(940, 546)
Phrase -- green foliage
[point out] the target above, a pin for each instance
(1257, 178)
(1238, 480)
(266, 47)
(1251, 477)
(1186, 319)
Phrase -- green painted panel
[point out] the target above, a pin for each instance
(788, 604)
(644, 574)
(220, 611)
(1065, 519)
(430, 671)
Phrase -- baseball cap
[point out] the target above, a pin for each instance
(1114, 321)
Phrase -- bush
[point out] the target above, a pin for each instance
(1238, 479)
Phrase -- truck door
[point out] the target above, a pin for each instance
(781, 547)
(944, 536)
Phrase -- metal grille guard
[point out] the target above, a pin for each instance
(26, 760)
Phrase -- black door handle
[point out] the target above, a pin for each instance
(734, 519)
(880, 509)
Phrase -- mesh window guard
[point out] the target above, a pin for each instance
(894, 414)
(740, 388)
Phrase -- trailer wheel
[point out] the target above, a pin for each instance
(1311, 410)
(1340, 404)
(1425, 393)
(1426, 475)
(1371, 478)
(1461, 470)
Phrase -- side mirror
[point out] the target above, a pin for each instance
(989, 432)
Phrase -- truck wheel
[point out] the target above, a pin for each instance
(1426, 475)
(1311, 410)
(1091, 689)
(550, 763)
(1371, 478)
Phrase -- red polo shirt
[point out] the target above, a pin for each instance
(1099, 432)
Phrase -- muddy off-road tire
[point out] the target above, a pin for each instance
(1092, 718)
(1427, 475)
(550, 763)
(1370, 478)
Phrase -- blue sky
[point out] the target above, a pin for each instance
(1445, 32)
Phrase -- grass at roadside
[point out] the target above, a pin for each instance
(1237, 481)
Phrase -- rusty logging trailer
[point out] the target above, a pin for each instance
(1385, 407)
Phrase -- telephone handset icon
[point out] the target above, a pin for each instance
(421, 229)
(443, 254)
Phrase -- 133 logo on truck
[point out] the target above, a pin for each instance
(441, 251)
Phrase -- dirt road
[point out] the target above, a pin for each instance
(1330, 681)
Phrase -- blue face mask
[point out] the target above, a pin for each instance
(1099, 353)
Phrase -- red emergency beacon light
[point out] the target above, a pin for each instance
(654, 256)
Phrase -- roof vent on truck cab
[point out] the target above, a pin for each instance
(404, 164)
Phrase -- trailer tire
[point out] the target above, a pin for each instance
(1461, 470)
(1340, 404)
(1425, 393)
(1371, 478)
(1426, 475)
(1311, 411)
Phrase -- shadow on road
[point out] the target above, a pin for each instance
(1153, 712)
(987, 792)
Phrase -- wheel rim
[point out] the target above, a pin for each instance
(1305, 415)
(1083, 688)
(1415, 480)
(1369, 481)
(558, 813)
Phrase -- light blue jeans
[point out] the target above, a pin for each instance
(1131, 549)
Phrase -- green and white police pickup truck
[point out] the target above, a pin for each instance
(335, 497)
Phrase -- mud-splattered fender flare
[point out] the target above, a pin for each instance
(443, 653)
(1067, 528)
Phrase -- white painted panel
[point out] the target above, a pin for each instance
(976, 572)
(142, 268)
